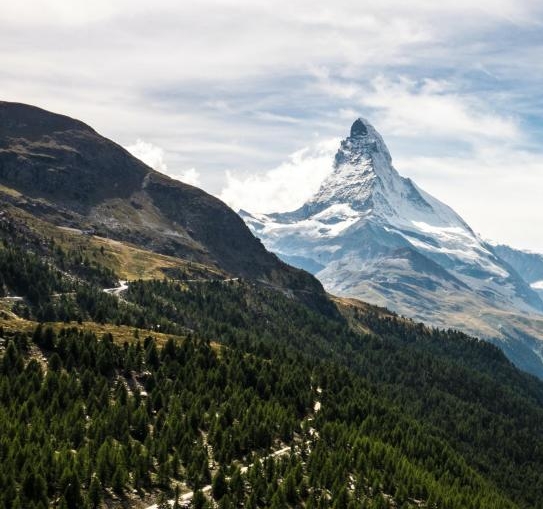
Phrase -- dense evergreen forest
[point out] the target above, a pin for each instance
(367, 409)
(99, 420)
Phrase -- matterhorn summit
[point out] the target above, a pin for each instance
(364, 179)
(372, 234)
(361, 163)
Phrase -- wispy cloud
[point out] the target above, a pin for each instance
(429, 108)
(190, 176)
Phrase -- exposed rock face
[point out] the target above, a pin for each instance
(61, 169)
(372, 234)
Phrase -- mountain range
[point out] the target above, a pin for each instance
(372, 234)
(154, 354)
(367, 233)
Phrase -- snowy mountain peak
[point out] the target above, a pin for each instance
(364, 191)
(370, 233)
(365, 207)
(361, 167)
(365, 147)
(359, 128)
(363, 139)
(364, 179)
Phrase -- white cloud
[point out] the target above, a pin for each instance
(76, 12)
(153, 156)
(283, 188)
(190, 176)
(265, 115)
(150, 154)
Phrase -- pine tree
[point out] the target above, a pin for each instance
(219, 485)
(95, 492)
(71, 489)
(198, 500)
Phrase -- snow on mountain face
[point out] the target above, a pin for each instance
(528, 265)
(370, 233)
(364, 207)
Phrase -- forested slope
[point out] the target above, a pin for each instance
(379, 411)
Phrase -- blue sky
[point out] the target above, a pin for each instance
(248, 99)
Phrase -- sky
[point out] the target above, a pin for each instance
(248, 99)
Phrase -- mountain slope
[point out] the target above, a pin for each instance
(61, 170)
(372, 234)
(352, 408)
(528, 265)
(405, 414)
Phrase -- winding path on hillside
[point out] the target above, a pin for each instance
(186, 498)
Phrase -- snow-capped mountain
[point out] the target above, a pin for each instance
(373, 234)
(528, 265)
